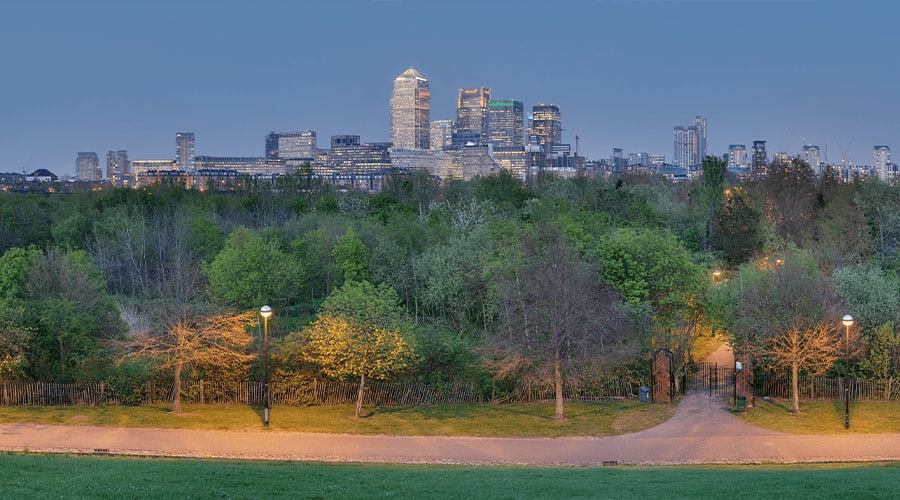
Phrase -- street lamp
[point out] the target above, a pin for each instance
(266, 312)
(848, 321)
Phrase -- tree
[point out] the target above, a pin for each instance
(557, 316)
(791, 314)
(710, 195)
(352, 256)
(880, 203)
(736, 227)
(256, 268)
(650, 265)
(217, 340)
(346, 347)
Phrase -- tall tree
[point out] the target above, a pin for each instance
(557, 316)
(216, 340)
(736, 230)
(352, 256)
(792, 313)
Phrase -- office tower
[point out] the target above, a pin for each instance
(639, 159)
(291, 145)
(690, 144)
(881, 161)
(87, 166)
(442, 134)
(117, 167)
(506, 124)
(349, 156)
(471, 115)
(759, 158)
(737, 156)
(184, 150)
(411, 111)
(546, 125)
(700, 125)
(811, 157)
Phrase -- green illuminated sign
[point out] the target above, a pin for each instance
(501, 103)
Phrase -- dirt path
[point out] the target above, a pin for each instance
(702, 431)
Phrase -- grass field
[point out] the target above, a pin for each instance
(583, 419)
(825, 417)
(39, 476)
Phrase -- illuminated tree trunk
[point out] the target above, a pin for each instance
(359, 399)
(557, 372)
(795, 386)
(176, 396)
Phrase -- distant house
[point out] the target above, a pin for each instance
(41, 175)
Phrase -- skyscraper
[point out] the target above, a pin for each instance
(759, 158)
(881, 161)
(546, 125)
(690, 144)
(87, 165)
(184, 150)
(118, 169)
(471, 115)
(411, 111)
(506, 124)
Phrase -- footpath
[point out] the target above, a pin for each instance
(702, 431)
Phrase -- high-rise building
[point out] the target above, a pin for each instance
(472, 115)
(291, 145)
(442, 134)
(737, 156)
(546, 125)
(506, 124)
(87, 166)
(184, 150)
(881, 161)
(118, 168)
(690, 144)
(700, 125)
(812, 158)
(411, 111)
(759, 158)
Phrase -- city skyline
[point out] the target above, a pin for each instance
(235, 72)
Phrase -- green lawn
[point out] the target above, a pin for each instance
(39, 476)
(584, 419)
(825, 417)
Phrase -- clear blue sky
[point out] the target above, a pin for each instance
(95, 75)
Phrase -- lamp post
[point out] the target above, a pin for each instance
(848, 321)
(266, 312)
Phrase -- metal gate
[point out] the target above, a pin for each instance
(717, 380)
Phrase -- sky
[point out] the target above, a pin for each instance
(100, 75)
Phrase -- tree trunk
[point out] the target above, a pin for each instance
(359, 399)
(557, 375)
(176, 396)
(795, 386)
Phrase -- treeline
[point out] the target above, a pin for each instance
(486, 282)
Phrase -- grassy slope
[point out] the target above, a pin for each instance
(584, 419)
(33, 476)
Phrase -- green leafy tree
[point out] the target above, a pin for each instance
(880, 202)
(256, 268)
(736, 229)
(352, 257)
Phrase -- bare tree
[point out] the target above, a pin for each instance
(558, 317)
(790, 316)
(212, 340)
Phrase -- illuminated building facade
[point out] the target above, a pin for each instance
(87, 165)
(472, 115)
(118, 168)
(411, 111)
(184, 150)
(546, 125)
